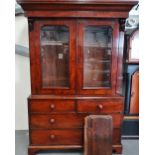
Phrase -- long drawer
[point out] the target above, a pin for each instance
(100, 106)
(66, 120)
(56, 137)
(49, 106)
(65, 137)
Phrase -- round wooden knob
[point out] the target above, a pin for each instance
(52, 136)
(100, 106)
(52, 106)
(52, 120)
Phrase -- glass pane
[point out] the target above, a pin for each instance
(97, 56)
(55, 56)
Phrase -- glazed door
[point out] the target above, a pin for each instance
(97, 56)
(55, 56)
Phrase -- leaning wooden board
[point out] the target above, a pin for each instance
(98, 135)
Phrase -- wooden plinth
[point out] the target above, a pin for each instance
(32, 150)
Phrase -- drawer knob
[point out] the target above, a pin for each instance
(100, 106)
(52, 136)
(52, 106)
(52, 120)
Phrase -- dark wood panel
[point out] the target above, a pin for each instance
(74, 120)
(32, 55)
(56, 137)
(100, 106)
(80, 1)
(106, 98)
(77, 14)
(116, 136)
(49, 106)
(98, 133)
(88, 7)
(36, 148)
(119, 85)
(52, 121)
(66, 137)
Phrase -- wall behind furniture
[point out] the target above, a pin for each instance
(22, 75)
(22, 91)
(21, 31)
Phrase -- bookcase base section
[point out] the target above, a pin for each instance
(33, 150)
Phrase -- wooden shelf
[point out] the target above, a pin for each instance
(99, 71)
(97, 61)
(53, 43)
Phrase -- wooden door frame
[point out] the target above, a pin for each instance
(36, 71)
(114, 24)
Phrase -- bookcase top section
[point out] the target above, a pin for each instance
(127, 2)
(77, 8)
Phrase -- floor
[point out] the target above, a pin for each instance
(130, 147)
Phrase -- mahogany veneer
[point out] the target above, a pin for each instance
(51, 123)
(76, 58)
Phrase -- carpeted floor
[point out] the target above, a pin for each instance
(130, 147)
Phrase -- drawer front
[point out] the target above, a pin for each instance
(65, 137)
(56, 137)
(116, 136)
(100, 106)
(48, 106)
(49, 121)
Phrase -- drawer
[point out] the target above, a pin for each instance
(56, 137)
(99, 106)
(47, 106)
(49, 121)
(65, 137)
(53, 121)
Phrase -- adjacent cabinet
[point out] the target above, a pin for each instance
(76, 58)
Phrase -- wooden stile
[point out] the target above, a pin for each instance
(98, 135)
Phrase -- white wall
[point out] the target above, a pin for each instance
(22, 91)
(22, 75)
(21, 31)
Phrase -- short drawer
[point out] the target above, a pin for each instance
(47, 106)
(56, 137)
(38, 121)
(99, 106)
